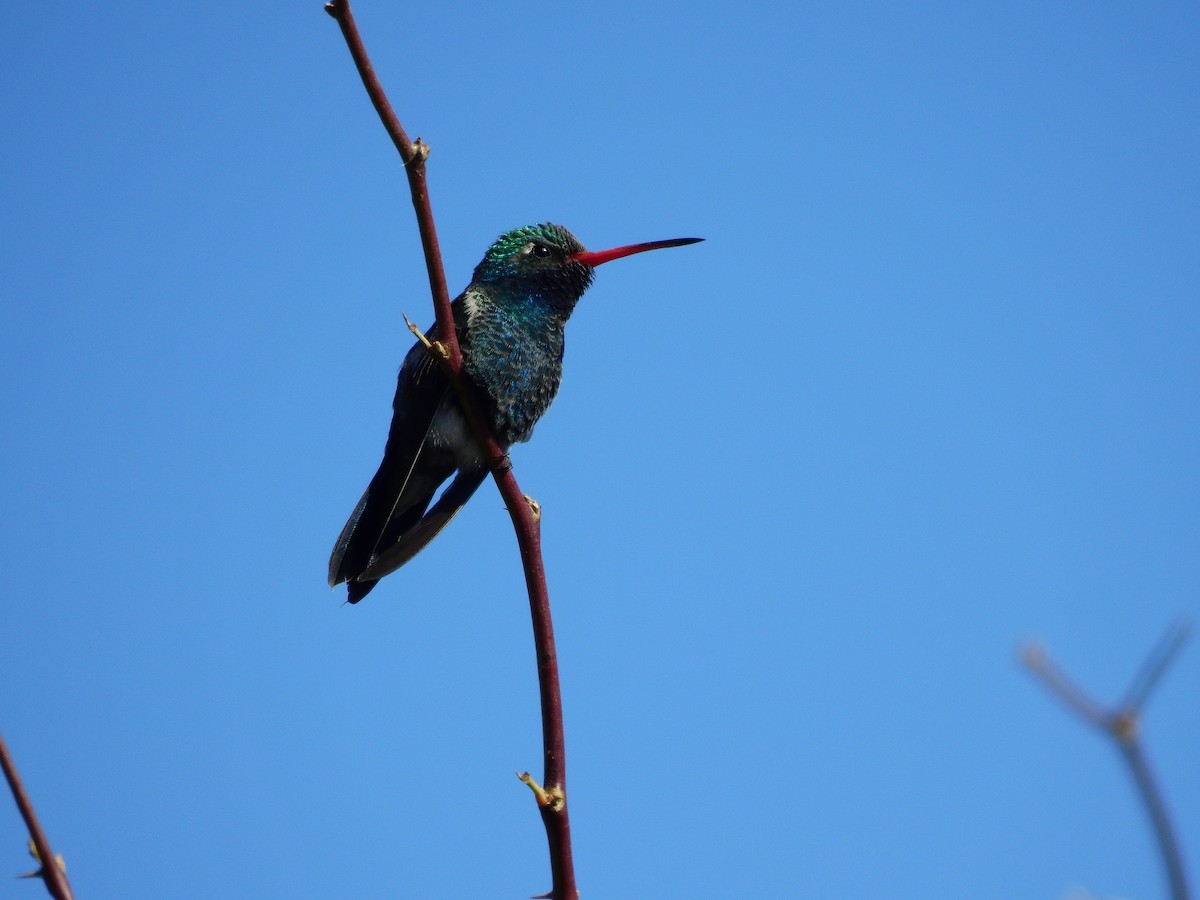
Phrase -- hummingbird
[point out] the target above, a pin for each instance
(510, 325)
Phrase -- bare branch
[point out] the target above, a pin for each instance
(51, 871)
(524, 516)
(1156, 664)
(414, 156)
(1121, 724)
(1160, 819)
(1038, 661)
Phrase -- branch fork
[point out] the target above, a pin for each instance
(1122, 725)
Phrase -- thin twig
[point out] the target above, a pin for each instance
(53, 876)
(1156, 664)
(525, 522)
(1038, 661)
(1121, 725)
(414, 156)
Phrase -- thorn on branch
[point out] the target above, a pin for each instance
(40, 872)
(534, 507)
(553, 798)
(432, 346)
(543, 799)
(420, 153)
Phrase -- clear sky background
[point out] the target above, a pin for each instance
(930, 388)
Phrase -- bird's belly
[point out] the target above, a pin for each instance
(451, 433)
(521, 383)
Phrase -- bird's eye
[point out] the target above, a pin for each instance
(539, 250)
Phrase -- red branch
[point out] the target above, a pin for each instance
(54, 877)
(552, 799)
(1121, 725)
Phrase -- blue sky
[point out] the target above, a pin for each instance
(930, 388)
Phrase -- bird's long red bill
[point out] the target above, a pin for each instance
(598, 257)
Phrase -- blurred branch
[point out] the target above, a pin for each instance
(526, 522)
(1121, 724)
(1156, 664)
(51, 870)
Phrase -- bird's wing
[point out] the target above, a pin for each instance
(416, 538)
(395, 500)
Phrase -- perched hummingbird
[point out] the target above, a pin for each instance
(509, 323)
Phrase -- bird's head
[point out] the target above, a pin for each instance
(548, 261)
